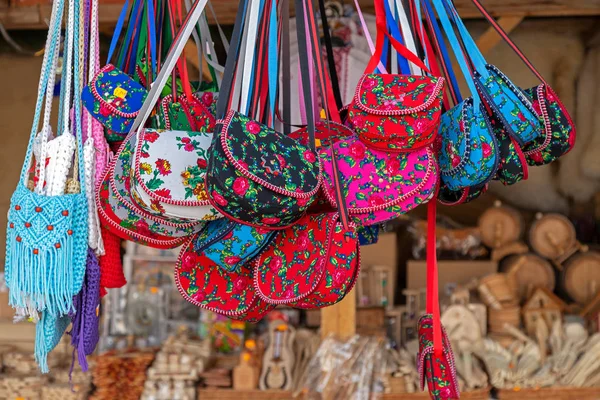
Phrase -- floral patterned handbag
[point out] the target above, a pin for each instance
(558, 129)
(188, 113)
(469, 150)
(113, 98)
(435, 360)
(257, 176)
(393, 112)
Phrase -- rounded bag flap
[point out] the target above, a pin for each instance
(42, 222)
(117, 93)
(204, 284)
(391, 94)
(256, 312)
(326, 132)
(375, 180)
(269, 158)
(170, 166)
(292, 266)
(469, 154)
(128, 225)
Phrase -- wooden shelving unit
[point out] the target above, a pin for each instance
(33, 14)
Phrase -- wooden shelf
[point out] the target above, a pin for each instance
(33, 14)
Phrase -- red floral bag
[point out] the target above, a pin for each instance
(435, 360)
(312, 264)
(394, 112)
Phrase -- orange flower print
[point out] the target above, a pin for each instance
(163, 166)
(146, 168)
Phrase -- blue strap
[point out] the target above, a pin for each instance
(470, 46)
(442, 45)
(136, 44)
(273, 58)
(133, 15)
(396, 34)
(447, 25)
(152, 35)
(117, 32)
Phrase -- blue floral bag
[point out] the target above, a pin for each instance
(229, 244)
(114, 99)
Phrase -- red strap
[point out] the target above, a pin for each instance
(381, 31)
(433, 304)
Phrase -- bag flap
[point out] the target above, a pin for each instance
(269, 158)
(117, 93)
(201, 282)
(376, 180)
(292, 266)
(326, 132)
(170, 166)
(391, 94)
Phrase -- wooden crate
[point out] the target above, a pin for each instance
(230, 394)
(551, 393)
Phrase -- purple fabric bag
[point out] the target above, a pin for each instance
(85, 331)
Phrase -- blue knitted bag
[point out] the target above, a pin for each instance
(46, 242)
(48, 332)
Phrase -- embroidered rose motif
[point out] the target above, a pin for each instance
(309, 156)
(231, 260)
(239, 284)
(375, 201)
(240, 186)
(338, 277)
(429, 89)
(302, 242)
(207, 99)
(164, 192)
(455, 160)
(461, 125)
(220, 200)
(275, 264)
(445, 392)
(521, 117)
(163, 166)
(142, 227)
(188, 262)
(104, 111)
(421, 126)
(392, 166)
(537, 157)
(199, 296)
(281, 160)
(487, 150)
(358, 122)
(369, 83)
(127, 184)
(302, 201)
(243, 165)
(201, 163)
(357, 151)
(253, 127)
(289, 293)
(262, 231)
(188, 145)
(151, 136)
(270, 220)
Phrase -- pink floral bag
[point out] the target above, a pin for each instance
(373, 179)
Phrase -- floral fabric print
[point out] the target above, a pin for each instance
(379, 186)
(559, 131)
(256, 312)
(440, 373)
(512, 166)
(291, 266)
(204, 284)
(397, 112)
(368, 235)
(469, 152)
(169, 172)
(510, 106)
(114, 99)
(259, 177)
(341, 268)
(195, 114)
(229, 244)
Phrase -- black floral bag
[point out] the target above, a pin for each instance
(257, 176)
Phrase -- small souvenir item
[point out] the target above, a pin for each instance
(278, 359)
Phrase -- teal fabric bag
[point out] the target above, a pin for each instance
(46, 244)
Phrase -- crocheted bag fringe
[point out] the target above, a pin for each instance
(48, 333)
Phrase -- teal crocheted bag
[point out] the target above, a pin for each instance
(46, 243)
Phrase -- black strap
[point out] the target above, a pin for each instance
(335, 84)
(230, 64)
